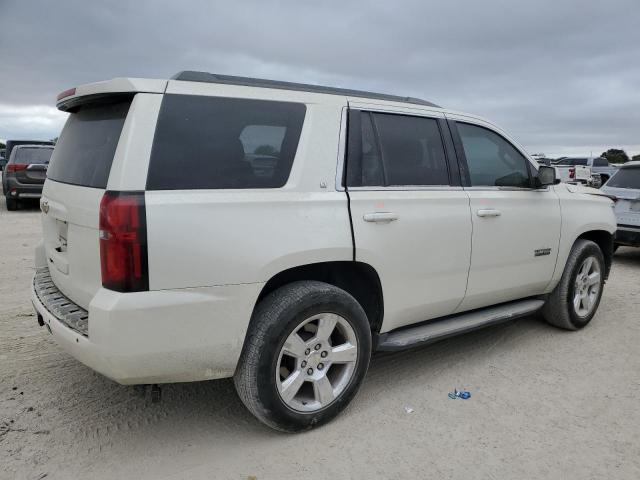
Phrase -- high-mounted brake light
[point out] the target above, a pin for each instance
(67, 93)
(123, 242)
(16, 167)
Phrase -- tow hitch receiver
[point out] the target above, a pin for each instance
(156, 392)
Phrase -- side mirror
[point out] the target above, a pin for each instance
(546, 176)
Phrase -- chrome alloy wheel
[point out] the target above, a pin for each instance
(316, 362)
(586, 287)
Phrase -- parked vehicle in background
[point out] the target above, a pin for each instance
(625, 186)
(210, 226)
(574, 174)
(3, 161)
(25, 173)
(598, 165)
(13, 143)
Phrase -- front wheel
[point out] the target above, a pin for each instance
(305, 356)
(575, 300)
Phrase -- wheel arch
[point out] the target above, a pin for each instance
(604, 240)
(359, 279)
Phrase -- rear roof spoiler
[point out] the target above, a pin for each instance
(69, 99)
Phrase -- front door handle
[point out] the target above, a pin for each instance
(380, 217)
(488, 212)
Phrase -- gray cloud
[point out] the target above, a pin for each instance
(561, 76)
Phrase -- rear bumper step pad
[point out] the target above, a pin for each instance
(67, 312)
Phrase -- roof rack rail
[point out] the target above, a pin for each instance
(205, 77)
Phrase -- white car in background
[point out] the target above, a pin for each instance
(210, 226)
(625, 186)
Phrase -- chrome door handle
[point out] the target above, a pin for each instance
(380, 217)
(488, 212)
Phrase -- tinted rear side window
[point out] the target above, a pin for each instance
(395, 150)
(84, 152)
(213, 143)
(625, 178)
(30, 156)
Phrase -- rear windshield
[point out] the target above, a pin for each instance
(212, 143)
(625, 178)
(87, 144)
(573, 161)
(28, 156)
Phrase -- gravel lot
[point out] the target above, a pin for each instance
(545, 403)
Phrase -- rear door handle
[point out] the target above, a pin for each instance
(380, 217)
(488, 212)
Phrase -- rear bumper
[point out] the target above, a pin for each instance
(15, 189)
(159, 336)
(628, 235)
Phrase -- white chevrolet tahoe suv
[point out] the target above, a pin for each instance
(210, 226)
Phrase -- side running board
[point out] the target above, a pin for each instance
(424, 333)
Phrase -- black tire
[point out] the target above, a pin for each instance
(559, 310)
(12, 204)
(274, 319)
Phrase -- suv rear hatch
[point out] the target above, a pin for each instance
(76, 181)
(30, 164)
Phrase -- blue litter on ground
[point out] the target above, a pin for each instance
(463, 394)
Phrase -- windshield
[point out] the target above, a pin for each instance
(28, 156)
(625, 178)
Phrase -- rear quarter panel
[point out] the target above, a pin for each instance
(220, 237)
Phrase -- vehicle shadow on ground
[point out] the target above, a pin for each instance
(627, 256)
(212, 407)
(30, 205)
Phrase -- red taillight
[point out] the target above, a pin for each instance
(66, 93)
(16, 167)
(123, 242)
(572, 172)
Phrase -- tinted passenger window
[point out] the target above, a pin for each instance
(395, 150)
(491, 160)
(84, 152)
(628, 177)
(212, 143)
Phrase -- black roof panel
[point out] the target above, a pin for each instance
(191, 76)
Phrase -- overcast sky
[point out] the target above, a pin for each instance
(563, 77)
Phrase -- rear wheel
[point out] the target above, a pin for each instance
(12, 203)
(575, 300)
(305, 356)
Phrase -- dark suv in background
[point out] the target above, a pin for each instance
(25, 173)
(11, 144)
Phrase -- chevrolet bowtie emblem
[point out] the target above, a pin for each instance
(45, 207)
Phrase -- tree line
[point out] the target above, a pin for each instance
(616, 155)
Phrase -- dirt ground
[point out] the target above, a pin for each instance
(545, 403)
